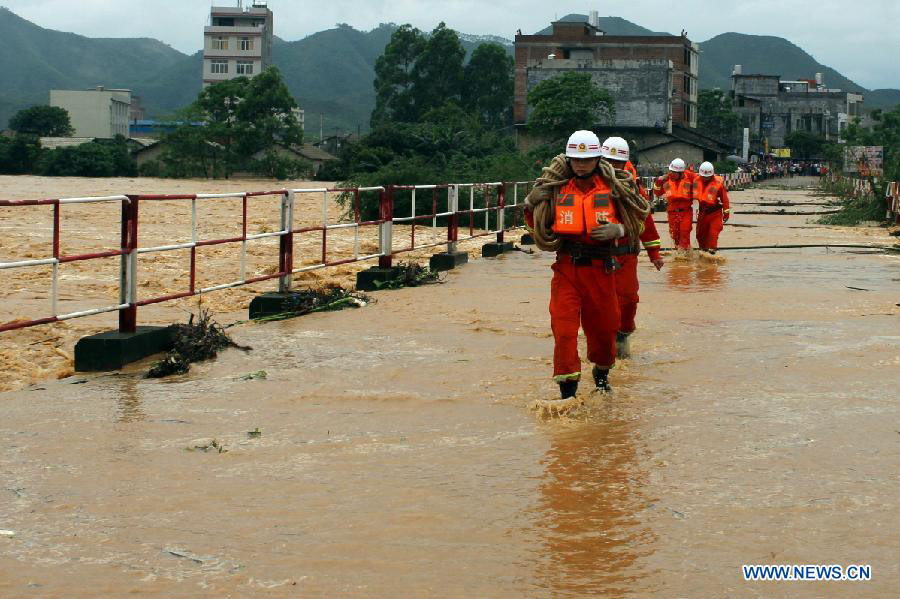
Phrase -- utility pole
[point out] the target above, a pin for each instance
(321, 127)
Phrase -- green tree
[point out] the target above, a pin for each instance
(43, 121)
(95, 159)
(242, 117)
(438, 71)
(187, 153)
(716, 118)
(805, 145)
(267, 111)
(19, 154)
(567, 103)
(394, 99)
(488, 87)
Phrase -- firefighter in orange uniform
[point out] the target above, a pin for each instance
(583, 287)
(677, 187)
(714, 209)
(615, 150)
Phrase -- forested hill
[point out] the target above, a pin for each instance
(330, 72)
(34, 60)
(765, 55)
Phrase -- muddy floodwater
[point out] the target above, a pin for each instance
(757, 423)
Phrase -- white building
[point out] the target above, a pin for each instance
(237, 42)
(96, 112)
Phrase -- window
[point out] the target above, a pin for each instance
(687, 58)
(219, 67)
(244, 67)
(220, 43)
(246, 43)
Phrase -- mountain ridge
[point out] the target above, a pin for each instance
(329, 72)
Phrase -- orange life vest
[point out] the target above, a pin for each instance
(579, 212)
(630, 168)
(708, 193)
(679, 190)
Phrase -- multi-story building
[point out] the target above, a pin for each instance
(772, 108)
(237, 42)
(654, 79)
(98, 112)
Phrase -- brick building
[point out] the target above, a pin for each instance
(654, 78)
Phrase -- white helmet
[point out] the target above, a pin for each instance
(583, 144)
(706, 170)
(677, 165)
(615, 148)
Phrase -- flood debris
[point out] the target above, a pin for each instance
(255, 433)
(193, 342)
(184, 555)
(206, 445)
(259, 375)
(319, 299)
(411, 274)
(7, 533)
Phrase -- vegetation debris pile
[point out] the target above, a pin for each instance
(321, 299)
(193, 342)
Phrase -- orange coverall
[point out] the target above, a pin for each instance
(714, 210)
(680, 211)
(627, 284)
(582, 293)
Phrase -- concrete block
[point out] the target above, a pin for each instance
(113, 350)
(269, 304)
(448, 260)
(371, 278)
(489, 250)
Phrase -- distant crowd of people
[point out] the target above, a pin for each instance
(773, 170)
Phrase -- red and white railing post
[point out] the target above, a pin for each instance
(54, 285)
(386, 229)
(453, 219)
(128, 266)
(501, 211)
(286, 243)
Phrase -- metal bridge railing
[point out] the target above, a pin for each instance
(483, 198)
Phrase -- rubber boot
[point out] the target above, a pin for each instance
(568, 389)
(623, 347)
(601, 379)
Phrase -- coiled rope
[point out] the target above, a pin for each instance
(631, 207)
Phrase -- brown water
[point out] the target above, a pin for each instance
(757, 423)
(33, 355)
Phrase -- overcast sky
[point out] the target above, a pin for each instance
(857, 38)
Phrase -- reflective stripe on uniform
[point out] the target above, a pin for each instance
(562, 378)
